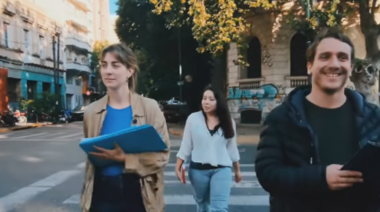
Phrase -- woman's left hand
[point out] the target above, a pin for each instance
(116, 154)
(238, 177)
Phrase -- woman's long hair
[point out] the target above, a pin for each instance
(222, 112)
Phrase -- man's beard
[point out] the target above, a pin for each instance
(331, 91)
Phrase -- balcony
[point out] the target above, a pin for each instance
(77, 25)
(295, 81)
(80, 4)
(9, 9)
(78, 66)
(74, 39)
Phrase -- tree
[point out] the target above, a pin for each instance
(45, 103)
(95, 54)
(217, 23)
(158, 51)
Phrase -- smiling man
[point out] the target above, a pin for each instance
(308, 138)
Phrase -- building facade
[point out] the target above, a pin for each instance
(100, 19)
(278, 65)
(78, 39)
(26, 52)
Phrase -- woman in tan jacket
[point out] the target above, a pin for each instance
(135, 181)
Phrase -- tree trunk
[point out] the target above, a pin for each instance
(365, 80)
(219, 73)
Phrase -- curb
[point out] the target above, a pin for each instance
(16, 128)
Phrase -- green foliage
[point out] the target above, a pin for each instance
(95, 54)
(156, 47)
(330, 14)
(44, 103)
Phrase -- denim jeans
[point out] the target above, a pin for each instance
(211, 188)
(117, 194)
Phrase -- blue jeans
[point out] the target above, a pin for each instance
(211, 188)
(117, 194)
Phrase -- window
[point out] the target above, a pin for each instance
(41, 46)
(6, 34)
(26, 39)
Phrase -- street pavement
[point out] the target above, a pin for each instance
(42, 171)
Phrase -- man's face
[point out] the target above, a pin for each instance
(332, 65)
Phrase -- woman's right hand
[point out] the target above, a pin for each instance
(179, 171)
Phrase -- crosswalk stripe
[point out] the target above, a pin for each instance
(30, 135)
(244, 174)
(81, 165)
(241, 165)
(242, 184)
(241, 200)
(23, 195)
(71, 136)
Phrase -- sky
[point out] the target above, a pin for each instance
(113, 7)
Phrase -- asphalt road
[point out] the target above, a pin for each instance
(42, 171)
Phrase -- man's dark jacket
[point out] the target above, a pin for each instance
(288, 164)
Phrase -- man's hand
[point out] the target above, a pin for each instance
(116, 154)
(339, 179)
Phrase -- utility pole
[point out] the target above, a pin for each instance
(180, 81)
(58, 90)
(309, 77)
(54, 63)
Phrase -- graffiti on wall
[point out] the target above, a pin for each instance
(264, 99)
(266, 57)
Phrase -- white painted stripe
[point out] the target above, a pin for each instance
(19, 197)
(42, 139)
(55, 179)
(23, 195)
(81, 165)
(242, 184)
(246, 200)
(75, 200)
(241, 165)
(30, 135)
(78, 135)
(244, 174)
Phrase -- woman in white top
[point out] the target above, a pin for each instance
(210, 139)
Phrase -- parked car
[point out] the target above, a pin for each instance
(77, 113)
(174, 111)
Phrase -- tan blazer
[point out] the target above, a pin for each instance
(148, 165)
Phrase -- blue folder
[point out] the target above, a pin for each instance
(137, 139)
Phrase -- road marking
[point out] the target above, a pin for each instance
(72, 136)
(244, 174)
(246, 200)
(23, 195)
(241, 165)
(243, 184)
(81, 165)
(30, 135)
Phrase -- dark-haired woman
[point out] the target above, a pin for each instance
(210, 139)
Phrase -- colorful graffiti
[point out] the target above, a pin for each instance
(264, 99)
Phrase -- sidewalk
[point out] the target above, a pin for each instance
(248, 134)
(23, 127)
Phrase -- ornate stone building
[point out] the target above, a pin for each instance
(278, 65)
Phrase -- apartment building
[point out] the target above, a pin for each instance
(78, 39)
(101, 20)
(26, 52)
